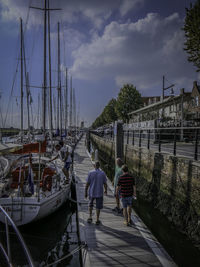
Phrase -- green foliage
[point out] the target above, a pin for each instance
(129, 99)
(107, 116)
(192, 34)
(109, 111)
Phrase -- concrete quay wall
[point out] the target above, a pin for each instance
(171, 183)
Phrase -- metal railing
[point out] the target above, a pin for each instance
(7, 251)
(182, 141)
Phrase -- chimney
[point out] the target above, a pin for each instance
(182, 91)
(195, 84)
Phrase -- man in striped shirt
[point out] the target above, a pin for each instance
(126, 185)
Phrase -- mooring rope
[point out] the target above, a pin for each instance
(83, 245)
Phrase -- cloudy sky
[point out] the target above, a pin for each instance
(104, 44)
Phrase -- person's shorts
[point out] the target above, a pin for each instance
(127, 201)
(99, 202)
(67, 165)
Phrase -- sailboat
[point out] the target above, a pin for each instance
(32, 187)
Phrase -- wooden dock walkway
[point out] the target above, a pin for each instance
(112, 243)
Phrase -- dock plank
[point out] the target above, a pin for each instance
(112, 243)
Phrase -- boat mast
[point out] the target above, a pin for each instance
(45, 65)
(70, 118)
(74, 108)
(50, 85)
(45, 69)
(28, 98)
(59, 84)
(21, 52)
(66, 100)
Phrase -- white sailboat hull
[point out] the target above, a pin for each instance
(24, 210)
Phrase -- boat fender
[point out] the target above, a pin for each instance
(47, 183)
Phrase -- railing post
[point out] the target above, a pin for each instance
(196, 145)
(119, 140)
(140, 137)
(175, 143)
(133, 138)
(127, 140)
(148, 141)
(159, 141)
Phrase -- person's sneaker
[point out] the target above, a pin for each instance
(120, 211)
(125, 222)
(115, 209)
(89, 220)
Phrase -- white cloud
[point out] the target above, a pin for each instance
(72, 11)
(139, 52)
(128, 5)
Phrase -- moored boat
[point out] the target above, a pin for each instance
(33, 189)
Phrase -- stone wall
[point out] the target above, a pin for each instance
(171, 183)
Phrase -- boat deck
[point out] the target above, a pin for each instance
(112, 243)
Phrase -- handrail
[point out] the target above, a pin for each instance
(25, 248)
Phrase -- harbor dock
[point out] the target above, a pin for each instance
(112, 243)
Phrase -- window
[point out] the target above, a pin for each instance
(196, 101)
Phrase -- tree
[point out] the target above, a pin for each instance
(109, 111)
(192, 34)
(129, 99)
(107, 116)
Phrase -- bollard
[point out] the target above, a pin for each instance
(148, 141)
(140, 137)
(175, 143)
(159, 141)
(133, 138)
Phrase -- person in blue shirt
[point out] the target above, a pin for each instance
(96, 182)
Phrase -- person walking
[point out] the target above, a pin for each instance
(126, 185)
(64, 154)
(118, 173)
(96, 182)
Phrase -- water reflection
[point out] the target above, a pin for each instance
(48, 240)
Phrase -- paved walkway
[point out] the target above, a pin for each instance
(112, 243)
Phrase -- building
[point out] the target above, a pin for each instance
(194, 107)
(171, 110)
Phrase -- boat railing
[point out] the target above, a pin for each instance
(7, 252)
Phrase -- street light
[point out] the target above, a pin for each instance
(163, 89)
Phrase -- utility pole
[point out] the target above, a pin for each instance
(163, 88)
(163, 92)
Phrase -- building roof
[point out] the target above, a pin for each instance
(160, 103)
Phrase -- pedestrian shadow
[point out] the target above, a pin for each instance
(120, 242)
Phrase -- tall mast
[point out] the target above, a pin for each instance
(70, 110)
(45, 69)
(66, 100)
(28, 98)
(21, 52)
(50, 85)
(59, 119)
(74, 107)
(45, 65)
